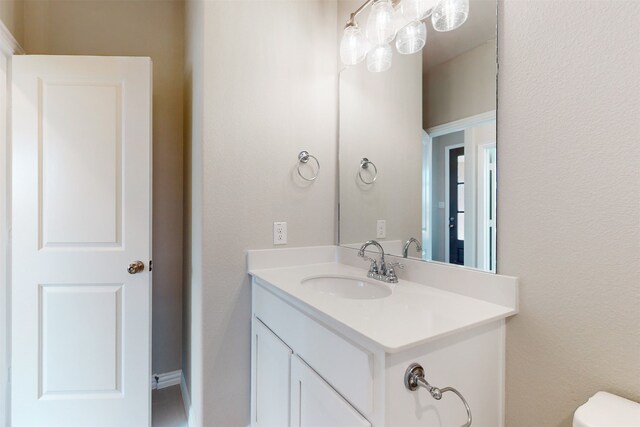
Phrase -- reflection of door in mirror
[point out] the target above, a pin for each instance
(487, 207)
(460, 181)
(456, 205)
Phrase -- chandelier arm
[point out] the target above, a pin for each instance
(352, 19)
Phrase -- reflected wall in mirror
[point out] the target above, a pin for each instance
(417, 147)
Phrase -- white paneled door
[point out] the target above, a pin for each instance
(81, 214)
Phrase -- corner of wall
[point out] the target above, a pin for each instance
(192, 365)
(12, 18)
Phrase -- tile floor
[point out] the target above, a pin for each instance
(168, 409)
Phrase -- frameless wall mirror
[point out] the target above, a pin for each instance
(417, 145)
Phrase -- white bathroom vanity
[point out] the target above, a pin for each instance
(330, 347)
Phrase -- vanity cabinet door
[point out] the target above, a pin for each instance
(314, 403)
(271, 378)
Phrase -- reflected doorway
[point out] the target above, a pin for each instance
(459, 192)
(456, 205)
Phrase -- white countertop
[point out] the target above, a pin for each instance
(412, 315)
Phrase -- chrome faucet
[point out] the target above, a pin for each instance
(405, 250)
(379, 271)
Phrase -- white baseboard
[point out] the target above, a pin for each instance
(167, 379)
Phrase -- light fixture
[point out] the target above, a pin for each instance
(380, 29)
(407, 23)
(417, 10)
(354, 45)
(450, 14)
(411, 38)
(399, 20)
(379, 58)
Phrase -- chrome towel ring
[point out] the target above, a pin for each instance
(303, 158)
(364, 164)
(414, 378)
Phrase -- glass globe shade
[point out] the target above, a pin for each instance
(411, 38)
(449, 14)
(379, 59)
(399, 20)
(380, 29)
(417, 10)
(353, 46)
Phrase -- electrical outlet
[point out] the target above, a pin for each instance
(279, 233)
(381, 232)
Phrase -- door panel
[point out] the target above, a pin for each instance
(88, 362)
(81, 192)
(74, 149)
(314, 403)
(272, 378)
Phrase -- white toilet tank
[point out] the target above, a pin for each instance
(607, 410)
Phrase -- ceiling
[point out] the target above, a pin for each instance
(479, 28)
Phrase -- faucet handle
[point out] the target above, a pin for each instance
(373, 268)
(391, 272)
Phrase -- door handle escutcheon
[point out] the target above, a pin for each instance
(135, 267)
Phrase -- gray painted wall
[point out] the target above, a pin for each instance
(266, 96)
(12, 16)
(569, 202)
(381, 119)
(136, 28)
(461, 87)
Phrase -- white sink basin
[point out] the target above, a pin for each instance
(347, 287)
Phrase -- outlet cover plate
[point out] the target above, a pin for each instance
(279, 233)
(381, 229)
